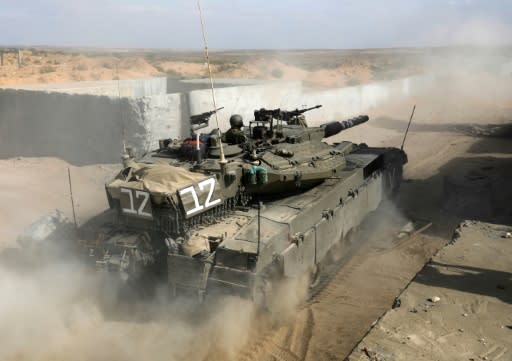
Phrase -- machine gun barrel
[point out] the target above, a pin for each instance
(203, 117)
(333, 128)
(199, 121)
(287, 114)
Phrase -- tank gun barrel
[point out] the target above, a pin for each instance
(333, 128)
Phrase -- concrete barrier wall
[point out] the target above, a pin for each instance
(337, 104)
(85, 129)
(162, 117)
(127, 88)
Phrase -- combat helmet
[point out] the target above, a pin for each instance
(236, 121)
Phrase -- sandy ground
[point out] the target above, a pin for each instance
(471, 318)
(31, 187)
(457, 134)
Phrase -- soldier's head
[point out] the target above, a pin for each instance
(236, 121)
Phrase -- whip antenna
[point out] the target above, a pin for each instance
(123, 139)
(408, 125)
(222, 158)
(72, 199)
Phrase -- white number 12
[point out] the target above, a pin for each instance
(140, 210)
(210, 182)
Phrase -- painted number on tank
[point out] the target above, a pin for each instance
(136, 203)
(207, 187)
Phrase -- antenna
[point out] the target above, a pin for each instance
(120, 110)
(222, 158)
(259, 225)
(408, 125)
(72, 199)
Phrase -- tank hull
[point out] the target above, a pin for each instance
(293, 235)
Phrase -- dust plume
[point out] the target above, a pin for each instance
(63, 311)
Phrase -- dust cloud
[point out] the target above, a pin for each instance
(63, 311)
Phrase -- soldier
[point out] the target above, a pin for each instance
(298, 120)
(235, 135)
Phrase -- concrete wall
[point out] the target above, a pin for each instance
(187, 85)
(84, 129)
(127, 88)
(81, 129)
(337, 104)
(162, 117)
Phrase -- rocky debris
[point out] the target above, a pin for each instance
(406, 230)
(434, 299)
(396, 303)
(372, 355)
(54, 226)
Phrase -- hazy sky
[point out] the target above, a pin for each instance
(256, 23)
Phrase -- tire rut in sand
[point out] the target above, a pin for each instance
(291, 342)
(285, 343)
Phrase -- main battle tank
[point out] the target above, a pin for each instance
(207, 216)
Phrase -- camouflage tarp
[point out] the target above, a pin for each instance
(158, 179)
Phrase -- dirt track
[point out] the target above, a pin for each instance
(471, 317)
(329, 325)
(325, 329)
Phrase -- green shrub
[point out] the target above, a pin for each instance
(159, 68)
(47, 69)
(277, 73)
(80, 67)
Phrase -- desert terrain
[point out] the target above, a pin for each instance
(316, 68)
(457, 308)
(460, 138)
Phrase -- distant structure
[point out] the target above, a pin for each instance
(17, 51)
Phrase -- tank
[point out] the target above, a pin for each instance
(205, 216)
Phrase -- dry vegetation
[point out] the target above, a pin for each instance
(317, 68)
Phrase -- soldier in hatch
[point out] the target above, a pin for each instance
(235, 135)
(298, 120)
